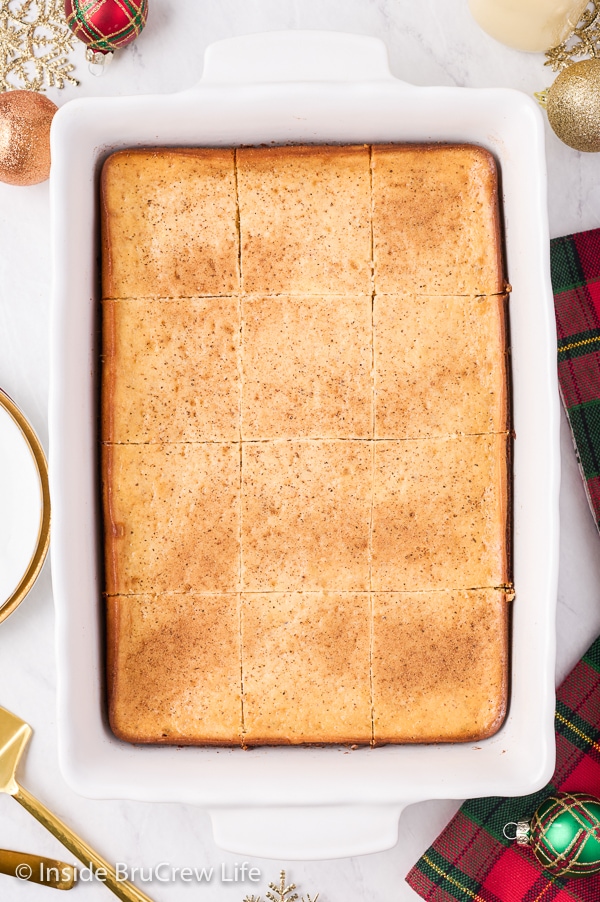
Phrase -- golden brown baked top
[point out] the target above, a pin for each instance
(169, 224)
(306, 667)
(307, 365)
(174, 668)
(305, 445)
(436, 220)
(460, 343)
(439, 665)
(305, 220)
(171, 515)
(306, 515)
(171, 373)
(439, 513)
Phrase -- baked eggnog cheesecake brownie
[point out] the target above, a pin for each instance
(306, 445)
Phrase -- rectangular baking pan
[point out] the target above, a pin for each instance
(300, 87)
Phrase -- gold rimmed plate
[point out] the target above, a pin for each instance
(24, 506)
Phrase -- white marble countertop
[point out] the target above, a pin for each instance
(430, 43)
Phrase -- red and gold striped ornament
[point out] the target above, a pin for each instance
(105, 25)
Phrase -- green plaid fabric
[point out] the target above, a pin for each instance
(471, 859)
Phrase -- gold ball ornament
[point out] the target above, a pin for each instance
(573, 106)
(25, 119)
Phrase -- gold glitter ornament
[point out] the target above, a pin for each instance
(573, 106)
(25, 119)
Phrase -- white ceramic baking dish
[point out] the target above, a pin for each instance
(301, 87)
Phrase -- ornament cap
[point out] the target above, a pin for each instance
(98, 57)
(523, 833)
(98, 61)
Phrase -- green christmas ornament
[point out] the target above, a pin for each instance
(564, 834)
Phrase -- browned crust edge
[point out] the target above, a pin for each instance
(505, 464)
(302, 150)
(109, 373)
(505, 423)
(258, 742)
(111, 528)
(106, 258)
(510, 487)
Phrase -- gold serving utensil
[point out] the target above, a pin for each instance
(14, 736)
(35, 869)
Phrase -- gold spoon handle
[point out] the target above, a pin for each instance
(35, 869)
(123, 890)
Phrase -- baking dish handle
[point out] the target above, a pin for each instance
(296, 56)
(306, 834)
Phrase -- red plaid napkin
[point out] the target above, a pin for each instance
(471, 861)
(576, 282)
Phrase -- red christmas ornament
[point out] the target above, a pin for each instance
(105, 25)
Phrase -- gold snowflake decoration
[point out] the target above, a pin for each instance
(282, 893)
(584, 41)
(35, 41)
